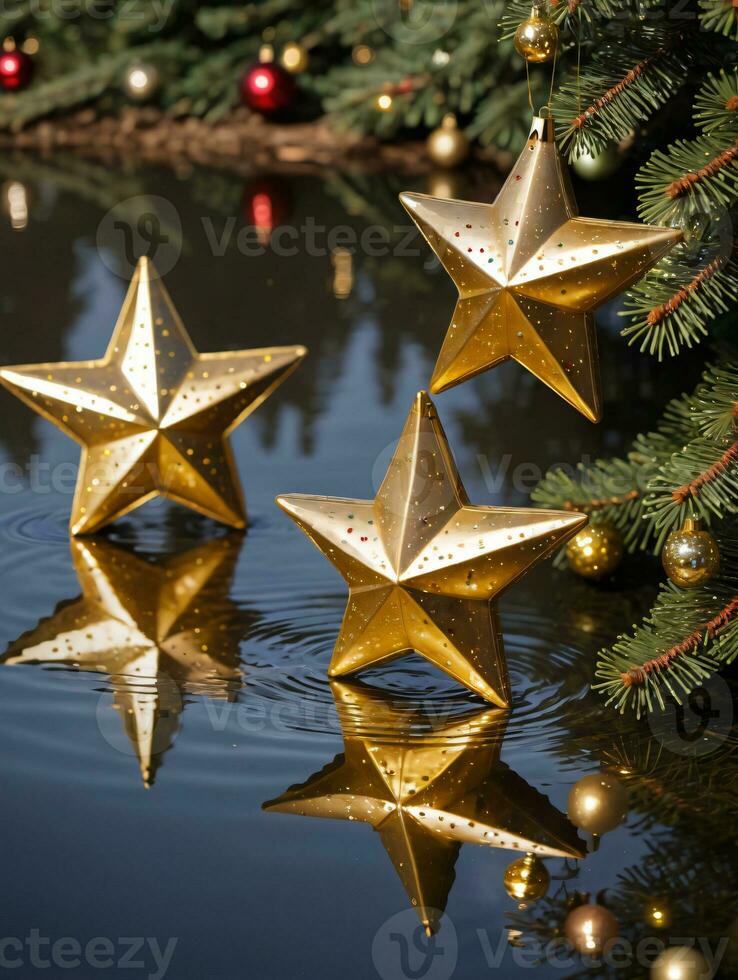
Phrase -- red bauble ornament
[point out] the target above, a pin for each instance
(267, 88)
(16, 68)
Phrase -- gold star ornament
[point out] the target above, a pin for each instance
(530, 272)
(427, 789)
(159, 630)
(422, 563)
(153, 415)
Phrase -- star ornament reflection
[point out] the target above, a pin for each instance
(157, 629)
(427, 793)
(422, 563)
(153, 415)
(529, 274)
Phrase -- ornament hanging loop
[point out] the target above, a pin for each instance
(543, 128)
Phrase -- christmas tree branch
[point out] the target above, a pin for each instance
(675, 303)
(695, 631)
(603, 104)
(678, 183)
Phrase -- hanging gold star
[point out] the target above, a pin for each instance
(158, 630)
(422, 563)
(427, 789)
(529, 274)
(153, 415)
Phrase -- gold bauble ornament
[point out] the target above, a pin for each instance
(153, 415)
(530, 273)
(599, 166)
(536, 38)
(680, 963)
(294, 58)
(423, 564)
(598, 803)
(591, 928)
(595, 552)
(141, 81)
(447, 145)
(658, 913)
(526, 879)
(691, 556)
(362, 54)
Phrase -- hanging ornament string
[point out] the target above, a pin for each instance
(553, 75)
(579, 60)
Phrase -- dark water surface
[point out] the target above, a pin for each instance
(133, 794)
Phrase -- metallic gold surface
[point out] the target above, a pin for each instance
(596, 551)
(537, 36)
(598, 803)
(422, 563)
(428, 793)
(526, 879)
(158, 630)
(153, 415)
(691, 556)
(529, 273)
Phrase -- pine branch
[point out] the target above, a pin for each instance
(716, 103)
(719, 16)
(700, 174)
(642, 495)
(673, 305)
(693, 631)
(611, 491)
(219, 22)
(82, 85)
(701, 479)
(714, 404)
(608, 101)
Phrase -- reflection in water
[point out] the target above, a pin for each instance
(427, 794)
(159, 630)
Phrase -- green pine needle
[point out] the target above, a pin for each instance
(677, 629)
(672, 307)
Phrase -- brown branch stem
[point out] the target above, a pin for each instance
(684, 184)
(616, 90)
(660, 313)
(693, 488)
(600, 503)
(637, 675)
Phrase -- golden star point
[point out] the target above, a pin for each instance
(423, 564)
(153, 415)
(529, 273)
